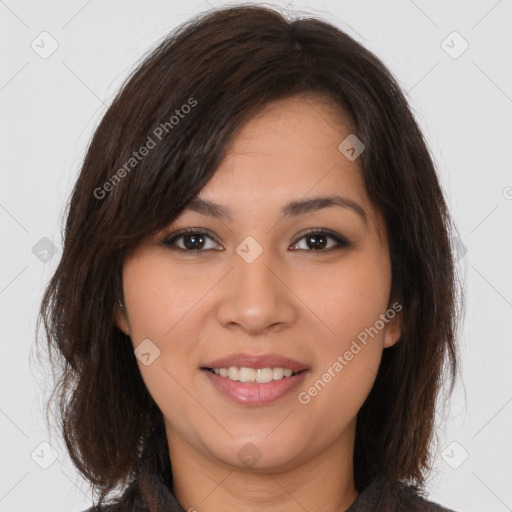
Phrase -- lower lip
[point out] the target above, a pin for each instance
(253, 393)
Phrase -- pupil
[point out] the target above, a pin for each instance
(316, 245)
(193, 238)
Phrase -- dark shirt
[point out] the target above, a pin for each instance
(150, 492)
(372, 499)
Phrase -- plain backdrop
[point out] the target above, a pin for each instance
(453, 60)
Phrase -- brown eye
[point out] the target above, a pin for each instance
(318, 241)
(192, 240)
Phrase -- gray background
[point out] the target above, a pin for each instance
(463, 102)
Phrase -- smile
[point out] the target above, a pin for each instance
(260, 375)
(247, 389)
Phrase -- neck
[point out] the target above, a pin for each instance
(324, 482)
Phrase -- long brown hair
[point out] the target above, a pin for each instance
(185, 103)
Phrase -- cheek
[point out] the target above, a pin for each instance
(335, 394)
(166, 319)
(348, 298)
(158, 297)
(349, 353)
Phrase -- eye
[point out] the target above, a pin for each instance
(194, 240)
(317, 240)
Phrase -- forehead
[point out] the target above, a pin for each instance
(315, 120)
(288, 151)
(290, 144)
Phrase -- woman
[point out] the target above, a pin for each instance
(256, 299)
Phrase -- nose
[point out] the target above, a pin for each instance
(255, 296)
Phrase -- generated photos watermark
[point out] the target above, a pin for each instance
(151, 142)
(304, 397)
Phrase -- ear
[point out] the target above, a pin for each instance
(121, 319)
(393, 328)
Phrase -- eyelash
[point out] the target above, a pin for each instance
(169, 241)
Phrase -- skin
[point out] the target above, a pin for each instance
(304, 304)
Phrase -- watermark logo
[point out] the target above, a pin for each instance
(304, 397)
(454, 45)
(455, 455)
(44, 249)
(249, 249)
(151, 142)
(249, 455)
(458, 248)
(351, 147)
(44, 45)
(44, 455)
(146, 352)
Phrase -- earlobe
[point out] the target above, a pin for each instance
(120, 318)
(393, 331)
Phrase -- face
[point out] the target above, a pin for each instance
(276, 277)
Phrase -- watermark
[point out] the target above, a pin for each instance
(249, 249)
(249, 454)
(304, 397)
(507, 193)
(44, 454)
(44, 249)
(454, 45)
(351, 147)
(137, 156)
(44, 45)
(146, 352)
(458, 248)
(455, 455)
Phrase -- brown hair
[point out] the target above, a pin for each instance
(226, 65)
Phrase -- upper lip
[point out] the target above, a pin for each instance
(244, 360)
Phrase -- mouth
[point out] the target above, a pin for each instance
(257, 375)
(254, 380)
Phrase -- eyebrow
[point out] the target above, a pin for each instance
(291, 209)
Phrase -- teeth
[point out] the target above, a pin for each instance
(246, 375)
(260, 375)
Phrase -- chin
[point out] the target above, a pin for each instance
(260, 454)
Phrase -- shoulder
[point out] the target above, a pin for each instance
(127, 502)
(118, 507)
(413, 501)
(104, 508)
(382, 496)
